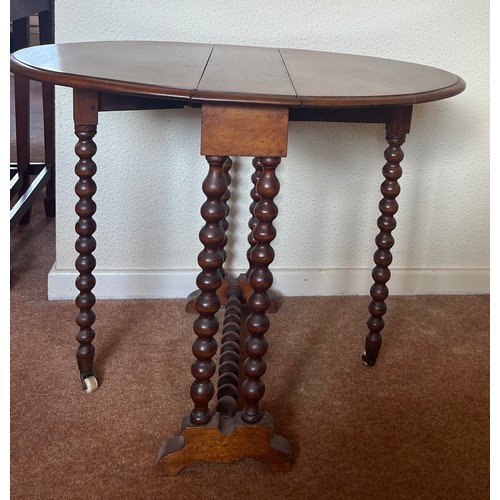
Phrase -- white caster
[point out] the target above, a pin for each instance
(363, 357)
(91, 384)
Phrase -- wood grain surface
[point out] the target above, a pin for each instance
(326, 79)
(243, 73)
(238, 74)
(239, 130)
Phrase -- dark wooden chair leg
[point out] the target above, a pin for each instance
(49, 137)
(22, 111)
(46, 26)
(27, 188)
(396, 131)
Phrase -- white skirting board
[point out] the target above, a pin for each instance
(170, 284)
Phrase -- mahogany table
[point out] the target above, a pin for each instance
(247, 95)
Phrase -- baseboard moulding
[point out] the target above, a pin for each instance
(178, 284)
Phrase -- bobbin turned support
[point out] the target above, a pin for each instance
(85, 112)
(231, 433)
(396, 127)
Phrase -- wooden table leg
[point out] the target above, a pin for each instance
(221, 291)
(229, 435)
(85, 117)
(396, 131)
(243, 279)
(226, 169)
(209, 280)
(261, 279)
(253, 220)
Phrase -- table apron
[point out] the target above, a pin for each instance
(235, 130)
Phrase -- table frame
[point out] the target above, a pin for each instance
(231, 433)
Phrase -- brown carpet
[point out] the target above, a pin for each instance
(414, 426)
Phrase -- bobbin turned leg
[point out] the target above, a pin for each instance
(225, 201)
(244, 279)
(85, 116)
(257, 165)
(232, 435)
(261, 279)
(209, 280)
(221, 291)
(396, 131)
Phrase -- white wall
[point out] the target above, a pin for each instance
(150, 171)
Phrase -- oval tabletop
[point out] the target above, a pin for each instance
(239, 74)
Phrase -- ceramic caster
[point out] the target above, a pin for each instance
(90, 384)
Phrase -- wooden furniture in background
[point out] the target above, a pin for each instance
(247, 95)
(21, 184)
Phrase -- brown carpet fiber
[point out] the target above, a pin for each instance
(414, 426)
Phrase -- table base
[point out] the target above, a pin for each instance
(238, 428)
(225, 440)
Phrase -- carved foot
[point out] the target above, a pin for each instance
(225, 440)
